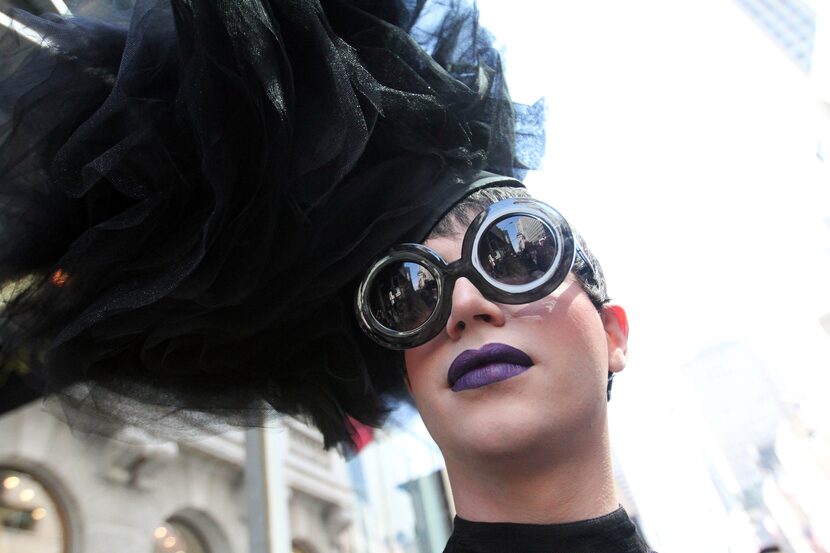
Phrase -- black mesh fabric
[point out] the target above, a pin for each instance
(189, 192)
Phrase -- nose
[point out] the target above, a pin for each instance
(469, 307)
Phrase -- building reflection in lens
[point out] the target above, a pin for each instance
(517, 249)
(404, 295)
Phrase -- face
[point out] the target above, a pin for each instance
(556, 401)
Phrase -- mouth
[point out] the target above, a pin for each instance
(491, 363)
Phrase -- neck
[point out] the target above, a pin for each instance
(566, 486)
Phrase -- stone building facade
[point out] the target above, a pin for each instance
(63, 493)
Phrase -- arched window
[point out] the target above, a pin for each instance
(300, 547)
(177, 536)
(30, 516)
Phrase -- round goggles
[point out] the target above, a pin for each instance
(515, 251)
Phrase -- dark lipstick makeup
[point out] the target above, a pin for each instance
(491, 363)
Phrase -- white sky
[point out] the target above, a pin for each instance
(682, 144)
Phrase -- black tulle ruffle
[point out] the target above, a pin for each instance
(189, 191)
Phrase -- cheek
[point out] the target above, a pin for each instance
(567, 333)
(418, 362)
(583, 349)
(585, 326)
(425, 388)
(566, 317)
(428, 387)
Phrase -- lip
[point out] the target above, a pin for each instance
(491, 363)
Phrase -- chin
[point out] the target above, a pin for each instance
(522, 432)
(502, 440)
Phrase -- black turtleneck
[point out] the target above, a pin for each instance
(612, 533)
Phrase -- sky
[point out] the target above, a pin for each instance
(682, 144)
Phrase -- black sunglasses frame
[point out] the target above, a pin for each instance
(469, 266)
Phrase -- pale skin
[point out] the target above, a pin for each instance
(533, 448)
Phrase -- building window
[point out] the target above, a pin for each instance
(299, 548)
(30, 518)
(176, 536)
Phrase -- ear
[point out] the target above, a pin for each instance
(615, 322)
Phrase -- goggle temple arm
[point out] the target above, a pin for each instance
(585, 270)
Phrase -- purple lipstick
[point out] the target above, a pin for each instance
(491, 363)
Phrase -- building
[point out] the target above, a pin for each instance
(63, 493)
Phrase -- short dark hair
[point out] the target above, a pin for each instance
(463, 213)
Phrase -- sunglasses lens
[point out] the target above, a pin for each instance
(517, 249)
(404, 295)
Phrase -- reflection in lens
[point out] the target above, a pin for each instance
(517, 249)
(403, 295)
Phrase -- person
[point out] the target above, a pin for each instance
(514, 389)
(198, 201)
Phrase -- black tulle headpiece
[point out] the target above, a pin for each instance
(190, 191)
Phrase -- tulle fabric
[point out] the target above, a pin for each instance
(190, 190)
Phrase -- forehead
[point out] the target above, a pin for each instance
(448, 246)
(457, 221)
